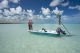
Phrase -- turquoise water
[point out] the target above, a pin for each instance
(14, 38)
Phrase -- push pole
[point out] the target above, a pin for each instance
(65, 28)
(58, 19)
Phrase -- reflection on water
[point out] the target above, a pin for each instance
(14, 38)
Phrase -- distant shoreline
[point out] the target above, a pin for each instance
(12, 23)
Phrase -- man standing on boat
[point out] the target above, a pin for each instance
(59, 30)
(30, 24)
(58, 14)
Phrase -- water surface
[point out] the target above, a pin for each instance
(14, 38)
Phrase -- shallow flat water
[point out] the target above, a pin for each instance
(14, 38)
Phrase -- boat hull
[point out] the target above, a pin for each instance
(42, 32)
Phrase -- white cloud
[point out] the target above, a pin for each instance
(56, 11)
(12, 15)
(4, 4)
(55, 2)
(1, 11)
(75, 7)
(48, 16)
(18, 9)
(6, 12)
(44, 17)
(30, 12)
(13, 11)
(65, 4)
(17, 13)
(40, 16)
(45, 11)
(14, 1)
(1, 16)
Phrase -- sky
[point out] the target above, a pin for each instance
(40, 11)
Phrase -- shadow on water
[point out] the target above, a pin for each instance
(49, 35)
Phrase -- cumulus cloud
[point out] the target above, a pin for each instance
(48, 16)
(6, 12)
(45, 11)
(45, 14)
(18, 14)
(55, 2)
(30, 12)
(57, 11)
(1, 11)
(15, 15)
(12, 15)
(4, 4)
(12, 10)
(16, 10)
(40, 16)
(75, 7)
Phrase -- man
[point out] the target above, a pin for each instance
(30, 24)
(59, 30)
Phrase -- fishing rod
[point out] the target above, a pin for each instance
(65, 28)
